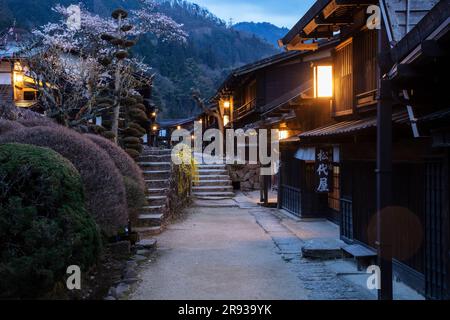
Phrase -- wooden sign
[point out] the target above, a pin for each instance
(324, 170)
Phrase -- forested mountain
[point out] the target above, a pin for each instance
(264, 30)
(210, 52)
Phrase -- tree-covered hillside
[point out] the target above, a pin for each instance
(211, 51)
(264, 30)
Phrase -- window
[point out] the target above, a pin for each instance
(365, 68)
(334, 198)
(250, 92)
(343, 75)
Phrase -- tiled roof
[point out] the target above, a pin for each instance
(352, 126)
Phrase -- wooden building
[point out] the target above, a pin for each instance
(404, 61)
(15, 86)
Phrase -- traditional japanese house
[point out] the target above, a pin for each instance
(15, 86)
(261, 95)
(338, 161)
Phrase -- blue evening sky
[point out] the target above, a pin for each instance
(283, 13)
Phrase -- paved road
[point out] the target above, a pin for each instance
(218, 253)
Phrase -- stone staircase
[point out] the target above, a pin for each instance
(156, 167)
(213, 183)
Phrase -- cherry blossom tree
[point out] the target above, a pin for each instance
(71, 63)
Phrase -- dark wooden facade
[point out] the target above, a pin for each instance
(419, 211)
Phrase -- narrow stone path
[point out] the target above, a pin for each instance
(218, 253)
(236, 250)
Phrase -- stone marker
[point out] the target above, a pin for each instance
(323, 249)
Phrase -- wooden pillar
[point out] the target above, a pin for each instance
(384, 178)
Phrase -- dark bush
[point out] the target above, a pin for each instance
(37, 122)
(126, 165)
(103, 183)
(136, 199)
(44, 226)
(132, 175)
(7, 125)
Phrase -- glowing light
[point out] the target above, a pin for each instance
(323, 81)
(283, 134)
(18, 78)
(226, 104)
(178, 127)
(155, 128)
(226, 120)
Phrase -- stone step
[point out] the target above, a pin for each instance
(157, 183)
(210, 199)
(157, 191)
(150, 220)
(155, 166)
(157, 152)
(151, 164)
(213, 194)
(155, 158)
(203, 177)
(156, 174)
(212, 189)
(148, 231)
(201, 183)
(209, 172)
(156, 200)
(212, 166)
(156, 209)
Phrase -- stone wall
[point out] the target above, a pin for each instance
(247, 175)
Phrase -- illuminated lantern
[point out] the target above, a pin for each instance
(323, 81)
(283, 134)
(226, 120)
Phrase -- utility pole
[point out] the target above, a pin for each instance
(384, 176)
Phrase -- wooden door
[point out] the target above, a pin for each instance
(437, 230)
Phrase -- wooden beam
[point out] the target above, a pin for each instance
(330, 9)
(303, 47)
(321, 35)
(310, 27)
(336, 4)
(333, 21)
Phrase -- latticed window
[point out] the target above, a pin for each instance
(343, 76)
(335, 196)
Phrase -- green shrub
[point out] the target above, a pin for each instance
(44, 226)
(102, 181)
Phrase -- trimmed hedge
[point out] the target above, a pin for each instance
(6, 126)
(37, 122)
(126, 165)
(103, 183)
(44, 226)
(132, 175)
